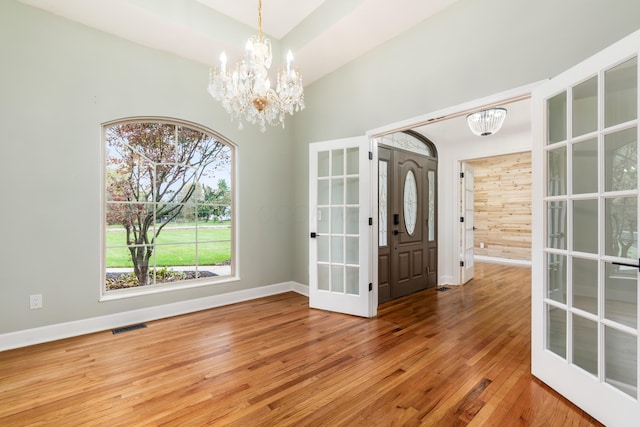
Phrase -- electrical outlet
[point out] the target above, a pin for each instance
(35, 301)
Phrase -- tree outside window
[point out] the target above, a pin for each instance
(168, 204)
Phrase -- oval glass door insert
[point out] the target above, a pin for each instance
(410, 202)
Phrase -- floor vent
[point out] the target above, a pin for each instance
(128, 328)
(442, 288)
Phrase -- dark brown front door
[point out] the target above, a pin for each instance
(407, 253)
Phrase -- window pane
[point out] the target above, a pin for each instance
(557, 330)
(585, 167)
(557, 172)
(621, 93)
(621, 228)
(557, 118)
(585, 226)
(410, 202)
(621, 294)
(621, 160)
(323, 248)
(585, 344)
(557, 225)
(585, 284)
(621, 361)
(557, 277)
(585, 107)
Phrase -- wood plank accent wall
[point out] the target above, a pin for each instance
(502, 204)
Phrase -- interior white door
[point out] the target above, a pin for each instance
(585, 224)
(340, 225)
(466, 224)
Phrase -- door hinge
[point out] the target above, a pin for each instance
(461, 263)
(370, 287)
(370, 155)
(461, 175)
(461, 219)
(370, 221)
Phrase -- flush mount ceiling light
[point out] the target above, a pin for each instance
(246, 93)
(486, 122)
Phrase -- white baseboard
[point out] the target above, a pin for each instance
(96, 324)
(496, 260)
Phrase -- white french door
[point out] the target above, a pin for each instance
(340, 226)
(466, 226)
(585, 234)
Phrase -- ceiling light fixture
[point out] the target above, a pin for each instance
(246, 91)
(486, 122)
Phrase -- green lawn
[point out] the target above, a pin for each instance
(214, 247)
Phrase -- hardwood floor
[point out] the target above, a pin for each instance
(460, 357)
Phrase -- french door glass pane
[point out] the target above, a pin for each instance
(337, 220)
(337, 278)
(323, 248)
(337, 249)
(323, 220)
(585, 167)
(323, 192)
(323, 277)
(557, 225)
(352, 221)
(621, 294)
(557, 277)
(585, 284)
(557, 172)
(557, 330)
(621, 93)
(585, 344)
(585, 107)
(337, 162)
(337, 191)
(352, 191)
(621, 237)
(621, 360)
(352, 278)
(585, 226)
(323, 163)
(352, 250)
(352, 161)
(621, 160)
(557, 118)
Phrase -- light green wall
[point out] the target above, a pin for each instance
(471, 50)
(59, 82)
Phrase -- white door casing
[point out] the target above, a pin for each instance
(341, 228)
(585, 214)
(466, 224)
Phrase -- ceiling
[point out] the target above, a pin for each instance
(323, 34)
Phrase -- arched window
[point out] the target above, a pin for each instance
(168, 205)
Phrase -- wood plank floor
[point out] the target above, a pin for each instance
(460, 357)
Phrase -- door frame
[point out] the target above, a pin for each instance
(448, 169)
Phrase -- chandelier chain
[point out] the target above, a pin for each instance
(260, 20)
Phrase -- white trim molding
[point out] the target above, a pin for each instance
(507, 261)
(60, 331)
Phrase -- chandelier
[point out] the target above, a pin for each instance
(486, 122)
(246, 92)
